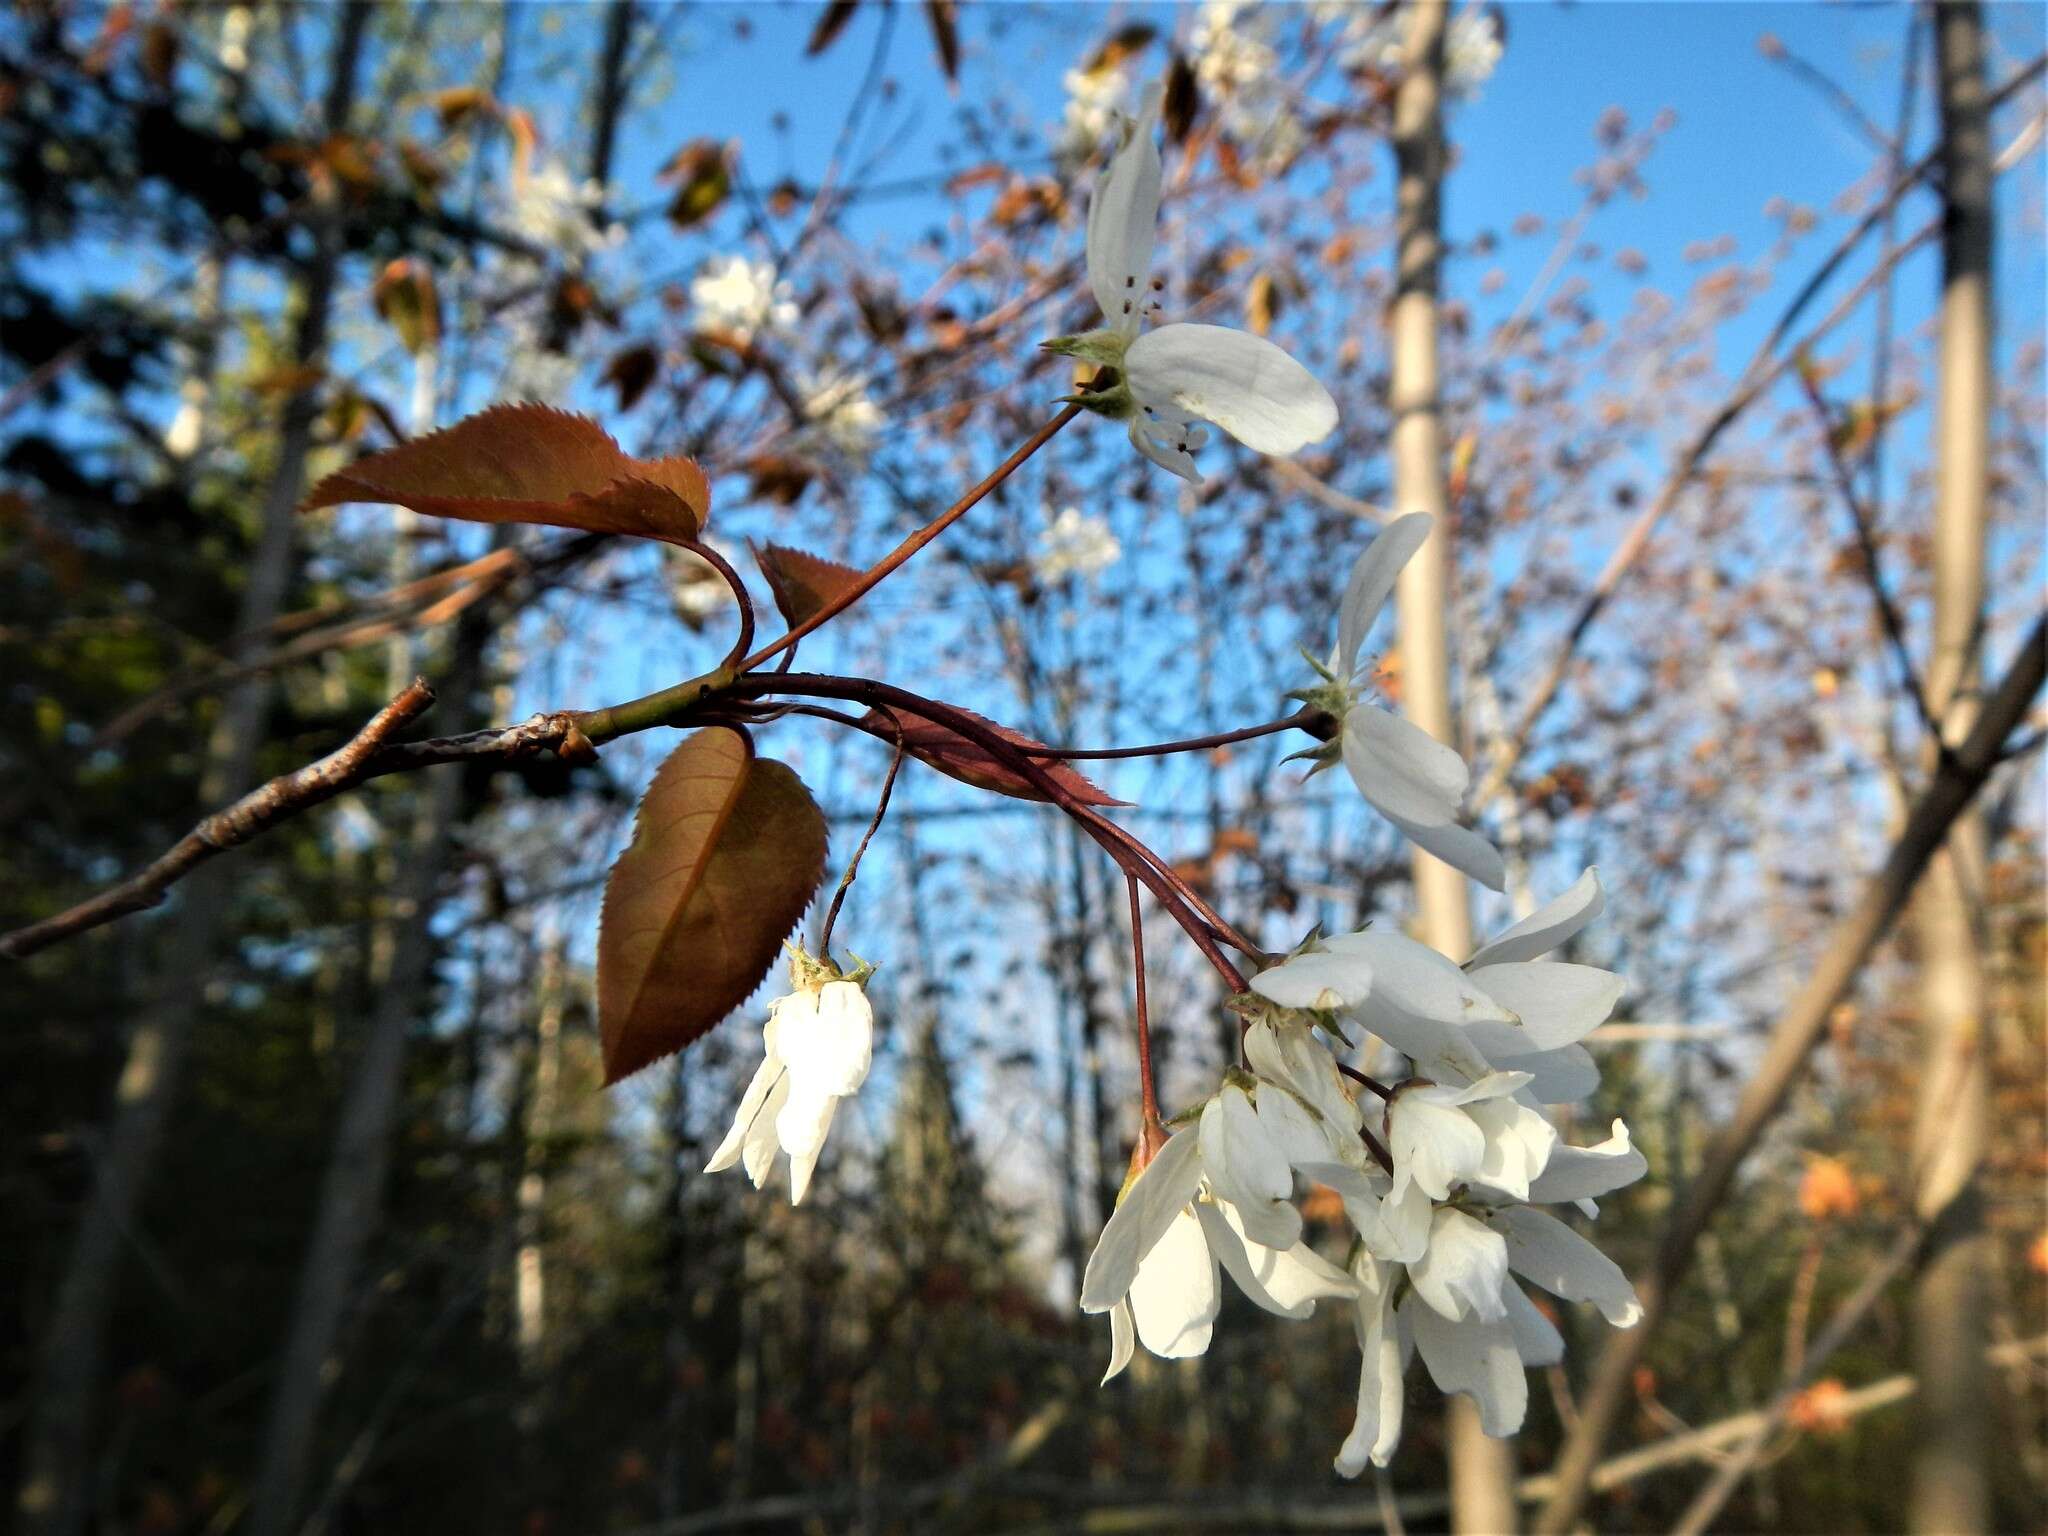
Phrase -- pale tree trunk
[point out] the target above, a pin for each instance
(57, 1450)
(1482, 1469)
(530, 1285)
(352, 1191)
(1952, 1291)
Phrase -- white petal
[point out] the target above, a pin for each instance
(1248, 1170)
(1381, 1396)
(827, 1038)
(1243, 383)
(1433, 1144)
(1175, 1295)
(758, 1155)
(1549, 927)
(1565, 1264)
(1169, 456)
(1418, 784)
(1290, 1054)
(1537, 1340)
(803, 1164)
(1443, 1053)
(1287, 1282)
(1519, 1142)
(1123, 216)
(1322, 979)
(804, 1119)
(1461, 1273)
(1122, 1340)
(1579, 1173)
(1148, 1208)
(1559, 1004)
(1299, 1136)
(1478, 1359)
(1372, 578)
(1559, 1077)
(1402, 769)
(764, 1080)
(1415, 980)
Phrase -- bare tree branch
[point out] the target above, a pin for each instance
(1802, 1025)
(255, 812)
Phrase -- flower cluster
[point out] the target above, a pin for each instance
(1440, 1184)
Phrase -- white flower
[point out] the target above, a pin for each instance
(555, 210)
(1093, 99)
(1472, 50)
(818, 1043)
(1178, 375)
(741, 296)
(840, 407)
(1405, 774)
(1155, 1267)
(1074, 544)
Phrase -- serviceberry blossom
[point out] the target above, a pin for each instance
(741, 296)
(1171, 378)
(1216, 1196)
(818, 1043)
(1074, 544)
(1405, 774)
(1440, 1175)
(840, 409)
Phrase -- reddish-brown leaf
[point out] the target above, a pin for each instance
(971, 763)
(803, 584)
(529, 464)
(726, 854)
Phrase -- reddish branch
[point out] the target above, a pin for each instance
(255, 812)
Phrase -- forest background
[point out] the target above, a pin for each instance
(313, 1214)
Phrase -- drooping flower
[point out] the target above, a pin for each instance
(1405, 774)
(1155, 1268)
(1174, 377)
(817, 1045)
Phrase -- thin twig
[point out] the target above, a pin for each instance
(1873, 571)
(875, 574)
(255, 812)
(1760, 374)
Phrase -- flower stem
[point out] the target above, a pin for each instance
(1373, 1083)
(1149, 1127)
(1299, 718)
(853, 865)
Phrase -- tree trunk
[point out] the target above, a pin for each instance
(352, 1191)
(1951, 1292)
(1482, 1469)
(52, 1499)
